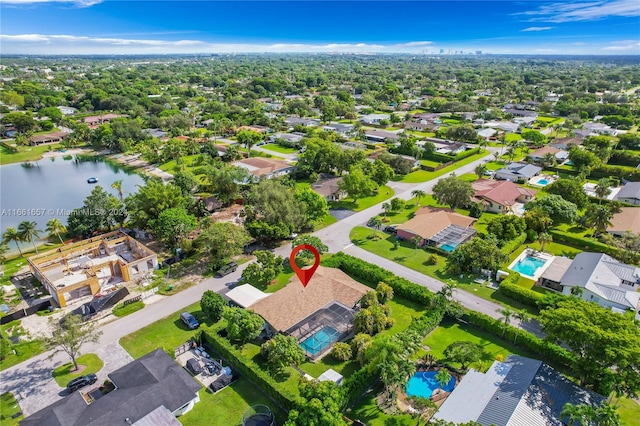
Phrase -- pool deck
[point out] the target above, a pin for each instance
(548, 258)
(548, 178)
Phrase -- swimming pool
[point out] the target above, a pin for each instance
(542, 182)
(449, 247)
(322, 338)
(528, 265)
(424, 383)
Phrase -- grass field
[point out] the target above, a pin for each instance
(225, 408)
(384, 193)
(278, 148)
(8, 409)
(7, 156)
(122, 311)
(628, 409)
(423, 175)
(367, 411)
(63, 374)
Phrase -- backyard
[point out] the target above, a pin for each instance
(9, 410)
(423, 175)
(383, 193)
(8, 156)
(279, 148)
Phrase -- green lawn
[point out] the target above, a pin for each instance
(512, 137)
(7, 156)
(288, 378)
(493, 346)
(423, 175)
(122, 311)
(367, 411)
(8, 408)
(226, 407)
(167, 333)
(418, 260)
(384, 193)
(326, 221)
(279, 148)
(23, 351)
(64, 373)
(628, 409)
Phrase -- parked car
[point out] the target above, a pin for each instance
(80, 382)
(227, 269)
(189, 320)
(391, 229)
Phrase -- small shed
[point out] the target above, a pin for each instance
(246, 295)
(331, 376)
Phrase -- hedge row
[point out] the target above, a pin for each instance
(511, 245)
(624, 158)
(596, 246)
(604, 171)
(509, 288)
(436, 156)
(373, 274)
(547, 351)
(252, 370)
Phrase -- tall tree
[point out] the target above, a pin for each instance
(443, 377)
(357, 184)
(213, 305)
(418, 194)
(571, 190)
(117, 185)
(29, 233)
(480, 170)
(598, 217)
(522, 316)
(242, 325)
(282, 351)
(453, 191)
(152, 199)
(601, 340)
(223, 240)
(464, 353)
(248, 138)
(507, 314)
(56, 227)
(543, 239)
(69, 335)
(603, 189)
(174, 224)
(11, 234)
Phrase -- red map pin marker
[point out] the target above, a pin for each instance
(304, 274)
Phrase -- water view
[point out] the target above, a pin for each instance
(52, 186)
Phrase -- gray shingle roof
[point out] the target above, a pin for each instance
(581, 269)
(143, 385)
(630, 190)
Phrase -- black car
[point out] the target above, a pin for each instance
(391, 229)
(189, 320)
(80, 382)
(227, 269)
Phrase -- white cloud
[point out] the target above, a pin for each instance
(536, 29)
(70, 44)
(584, 11)
(633, 46)
(79, 3)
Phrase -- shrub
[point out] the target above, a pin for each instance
(212, 304)
(341, 351)
(432, 260)
(515, 292)
(282, 351)
(581, 242)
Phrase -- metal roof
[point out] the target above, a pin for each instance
(630, 190)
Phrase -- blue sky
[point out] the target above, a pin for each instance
(156, 27)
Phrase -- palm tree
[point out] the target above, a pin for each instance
(447, 290)
(429, 360)
(544, 238)
(606, 415)
(387, 208)
(482, 143)
(599, 218)
(480, 170)
(3, 250)
(117, 185)
(571, 411)
(418, 194)
(508, 314)
(577, 291)
(375, 223)
(522, 316)
(11, 234)
(416, 240)
(549, 160)
(602, 189)
(443, 378)
(28, 231)
(56, 227)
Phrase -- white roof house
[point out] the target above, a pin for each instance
(245, 295)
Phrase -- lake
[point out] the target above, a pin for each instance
(54, 186)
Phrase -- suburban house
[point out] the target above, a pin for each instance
(54, 137)
(443, 228)
(600, 129)
(517, 391)
(601, 278)
(444, 146)
(92, 266)
(67, 110)
(629, 193)
(151, 390)
(156, 133)
(289, 137)
(565, 143)
(96, 120)
(521, 112)
(255, 128)
(506, 126)
(329, 188)
(265, 167)
(343, 130)
(501, 196)
(421, 127)
(628, 220)
(426, 117)
(517, 172)
(326, 305)
(538, 155)
(487, 133)
(373, 119)
(306, 122)
(381, 136)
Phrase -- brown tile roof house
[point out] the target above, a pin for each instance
(432, 223)
(539, 154)
(501, 195)
(329, 189)
(287, 307)
(100, 119)
(265, 167)
(53, 137)
(627, 220)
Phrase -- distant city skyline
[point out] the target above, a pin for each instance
(585, 27)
